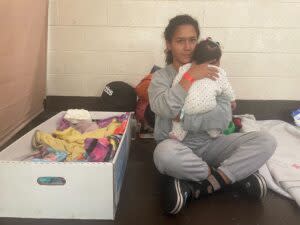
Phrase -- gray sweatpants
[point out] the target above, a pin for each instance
(237, 155)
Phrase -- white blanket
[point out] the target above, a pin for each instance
(282, 171)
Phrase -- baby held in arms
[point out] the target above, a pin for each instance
(202, 95)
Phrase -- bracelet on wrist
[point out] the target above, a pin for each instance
(188, 77)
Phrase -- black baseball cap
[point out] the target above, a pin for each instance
(118, 96)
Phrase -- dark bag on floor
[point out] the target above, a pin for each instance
(118, 96)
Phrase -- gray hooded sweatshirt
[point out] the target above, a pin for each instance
(167, 101)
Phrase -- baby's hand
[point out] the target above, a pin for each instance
(233, 105)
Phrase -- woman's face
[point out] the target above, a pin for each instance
(182, 44)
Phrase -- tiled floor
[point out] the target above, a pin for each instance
(140, 199)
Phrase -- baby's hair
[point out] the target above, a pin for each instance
(206, 50)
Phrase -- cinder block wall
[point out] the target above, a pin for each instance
(92, 42)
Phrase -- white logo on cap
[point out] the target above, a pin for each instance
(108, 91)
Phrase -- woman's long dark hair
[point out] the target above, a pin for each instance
(171, 28)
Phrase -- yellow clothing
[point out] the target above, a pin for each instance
(71, 140)
(71, 135)
(75, 151)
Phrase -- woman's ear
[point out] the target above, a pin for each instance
(168, 45)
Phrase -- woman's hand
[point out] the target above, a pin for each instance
(199, 72)
(203, 71)
(177, 119)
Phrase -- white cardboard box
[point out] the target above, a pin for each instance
(91, 191)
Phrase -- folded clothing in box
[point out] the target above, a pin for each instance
(95, 145)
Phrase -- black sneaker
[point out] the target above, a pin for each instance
(176, 195)
(255, 186)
